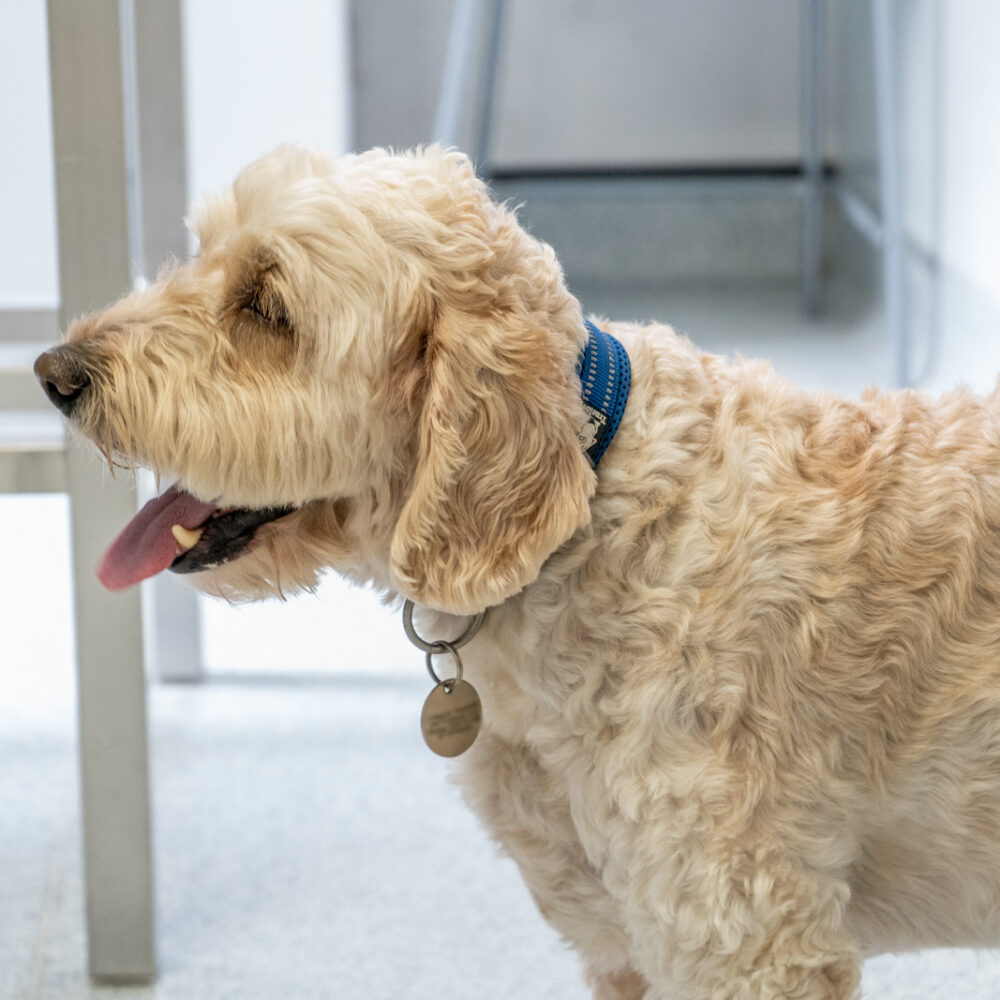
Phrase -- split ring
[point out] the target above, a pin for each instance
(439, 646)
(452, 682)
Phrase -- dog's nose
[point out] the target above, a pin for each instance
(63, 378)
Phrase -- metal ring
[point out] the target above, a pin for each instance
(452, 682)
(439, 646)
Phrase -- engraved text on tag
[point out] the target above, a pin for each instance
(451, 718)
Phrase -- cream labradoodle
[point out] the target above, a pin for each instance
(740, 682)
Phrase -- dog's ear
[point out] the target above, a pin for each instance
(501, 481)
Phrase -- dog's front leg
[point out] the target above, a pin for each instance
(527, 810)
(742, 921)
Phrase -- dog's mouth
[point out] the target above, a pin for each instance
(176, 531)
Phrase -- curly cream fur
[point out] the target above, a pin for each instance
(741, 688)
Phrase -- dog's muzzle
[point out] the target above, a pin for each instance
(64, 378)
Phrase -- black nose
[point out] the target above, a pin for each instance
(63, 377)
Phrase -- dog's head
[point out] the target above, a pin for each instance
(368, 366)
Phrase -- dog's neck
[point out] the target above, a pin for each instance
(605, 378)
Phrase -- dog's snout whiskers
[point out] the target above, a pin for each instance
(63, 378)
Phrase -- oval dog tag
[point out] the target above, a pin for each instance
(451, 717)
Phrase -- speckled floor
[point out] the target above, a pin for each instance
(307, 845)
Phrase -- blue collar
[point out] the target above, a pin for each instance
(605, 377)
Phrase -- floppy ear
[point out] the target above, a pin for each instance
(501, 480)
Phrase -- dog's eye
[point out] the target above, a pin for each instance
(257, 311)
(268, 312)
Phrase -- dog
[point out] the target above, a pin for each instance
(740, 678)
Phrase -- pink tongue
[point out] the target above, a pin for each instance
(146, 546)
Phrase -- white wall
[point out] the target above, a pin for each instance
(950, 98)
(971, 142)
(685, 82)
(258, 72)
(28, 272)
(256, 77)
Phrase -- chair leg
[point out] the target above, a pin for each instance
(172, 618)
(468, 83)
(812, 96)
(114, 766)
(884, 38)
(88, 113)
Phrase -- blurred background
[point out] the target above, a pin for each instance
(815, 183)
